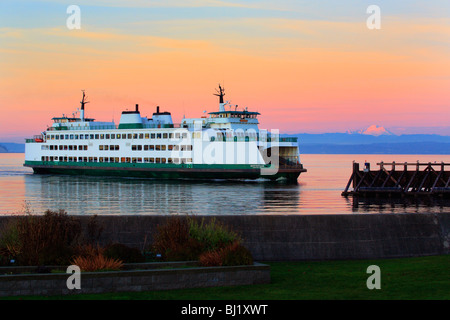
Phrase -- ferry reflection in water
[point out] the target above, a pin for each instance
(93, 195)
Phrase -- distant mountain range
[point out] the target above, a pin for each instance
(373, 140)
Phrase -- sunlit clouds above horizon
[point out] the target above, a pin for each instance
(305, 66)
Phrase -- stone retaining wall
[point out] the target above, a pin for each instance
(308, 237)
(133, 280)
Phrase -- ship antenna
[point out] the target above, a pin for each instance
(220, 93)
(83, 102)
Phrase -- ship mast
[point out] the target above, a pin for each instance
(220, 93)
(83, 102)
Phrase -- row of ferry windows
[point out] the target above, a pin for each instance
(69, 147)
(162, 135)
(117, 160)
(161, 147)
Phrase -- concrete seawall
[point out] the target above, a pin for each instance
(308, 237)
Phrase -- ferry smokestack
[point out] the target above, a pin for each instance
(157, 109)
(137, 107)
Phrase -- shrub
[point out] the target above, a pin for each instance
(38, 240)
(122, 252)
(212, 243)
(173, 241)
(211, 235)
(97, 262)
(234, 254)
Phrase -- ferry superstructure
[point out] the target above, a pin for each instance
(225, 144)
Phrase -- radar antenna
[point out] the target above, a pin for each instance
(220, 93)
(83, 102)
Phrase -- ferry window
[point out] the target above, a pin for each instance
(118, 136)
(42, 158)
(169, 160)
(139, 160)
(51, 147)
(129, 136)
(76, 137)
(116, 159)
(91, 159)
(106, 147)
(171, 135)
(61, 137)
(163, 147)
(86, 136)
(80, 159)
(128, 160)
(176, 160)
(134, 160)
(146, 160)
(51, 158)
(147, 136)
(157, 148)
(85, 159)
(153, 135)
(163, 160)
(134, 147)
(152, 160)
(176, 147)
(71, 136)
(135, 136)
(95, 159)
(170, 147)
(107, 136)
(100, 159)
(184, 135)
(146, 147)
(177, 135)
(113, 136)
(157, 160)
(158, 136)
(66, 136)
(70, 147)
(96, 136)
(164, 135)
(152, 147)
(117, 147)
(91, 136)
(85, 147)
(124, 135)
(141, 136)
(100, 147)
(122, 159)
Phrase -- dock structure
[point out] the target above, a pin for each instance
(400, 179)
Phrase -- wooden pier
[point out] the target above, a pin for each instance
(400, 179)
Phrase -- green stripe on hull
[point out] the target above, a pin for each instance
(159, 171)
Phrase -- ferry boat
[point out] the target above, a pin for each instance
(225, 144)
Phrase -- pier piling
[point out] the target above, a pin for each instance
(415, 179)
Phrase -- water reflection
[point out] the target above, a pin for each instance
(407, 204)
(93, 195)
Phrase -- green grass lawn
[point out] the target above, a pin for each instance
(419, 278)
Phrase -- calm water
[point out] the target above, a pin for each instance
(318, 192)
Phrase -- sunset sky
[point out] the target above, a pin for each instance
(306, 66)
